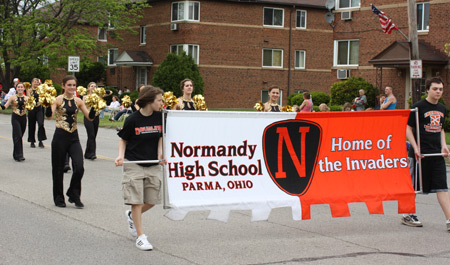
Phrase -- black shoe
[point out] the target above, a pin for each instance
(118, 129)
(41, 144)
(32, 145)
(93, 157)
(60, 204)
(20, 159)
(66, 168)
(77, 202)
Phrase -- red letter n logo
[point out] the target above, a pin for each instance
(284, 137)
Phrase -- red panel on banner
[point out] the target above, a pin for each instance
(362, 158)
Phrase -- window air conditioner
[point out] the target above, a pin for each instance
(173, 26)
(342, 74)
(347, 15)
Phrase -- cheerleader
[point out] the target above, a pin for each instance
(65, 140)
(272, 105)
(141, 139)
(18, 120)
(91, 126)
(186, 102)
(35, 115)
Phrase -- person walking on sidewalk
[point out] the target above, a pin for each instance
(432, 140)
(141, 139)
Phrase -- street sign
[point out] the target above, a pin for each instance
(415, 68)
(74, 64)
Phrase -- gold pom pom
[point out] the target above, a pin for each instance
(259, 106)
(47, 95)
(27, 85)
(100, 91)
(48, 82)
(30, 103)
(81, 90)
(170, 100)
(287, 108)
(96, 102)
(126, 101)
(199, 102)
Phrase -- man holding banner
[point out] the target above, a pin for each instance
(432, 142)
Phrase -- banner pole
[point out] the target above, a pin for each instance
(164, 180)
(420, 152)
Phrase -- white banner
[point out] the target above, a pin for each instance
(216, 162)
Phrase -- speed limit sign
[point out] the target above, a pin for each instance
(74, 64)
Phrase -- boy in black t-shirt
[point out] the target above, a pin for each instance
(432, 141)
(141, 139)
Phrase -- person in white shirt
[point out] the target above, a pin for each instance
(12, 90)
(114, 106)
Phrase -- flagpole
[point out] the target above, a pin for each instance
(403, 34)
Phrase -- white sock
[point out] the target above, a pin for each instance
(448, 221)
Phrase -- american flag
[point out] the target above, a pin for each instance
(386, 23)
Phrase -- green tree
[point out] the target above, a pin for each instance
(32, 29)
(346, 91)
(90, 72)
(173, 70)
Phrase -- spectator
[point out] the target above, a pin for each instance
(306, 105)
(12, 90)
(323, 108)
(347, 107)
(113, 107)
(388, 102)
(361, 101)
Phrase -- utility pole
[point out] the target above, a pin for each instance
(414, 47)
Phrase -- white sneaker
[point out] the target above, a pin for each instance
(131, 227)
(411, 220)
(142, 243)
(448, 225)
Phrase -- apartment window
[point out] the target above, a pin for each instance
(346, 52)
(112, 56)
(300, 59)
(186, 11)
(423, 16)
(301, 19)
(143, 34)
(348, 3)
(272, 58)
(102, 34)
(189, 49)
(273, 17)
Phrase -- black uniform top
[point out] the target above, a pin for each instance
(66, 115)
(275, 108)
(19, 106)
(142, 134)
(188, 105)
(431, 120)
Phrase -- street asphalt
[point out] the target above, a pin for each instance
(34, 231)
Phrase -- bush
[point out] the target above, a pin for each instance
(58, 88)
(295, 99)
(346, 91)
(174, 69)
(320, 97)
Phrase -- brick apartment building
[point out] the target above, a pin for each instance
(383, 59)
(243, 47)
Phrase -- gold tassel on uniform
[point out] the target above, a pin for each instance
(259, 106)
(126, 101)
(169, 99)
(199, 102)
(27, 85)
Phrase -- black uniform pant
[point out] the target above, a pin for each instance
(19, 124)
(66, 143)
(36, 115)
(91, 130)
